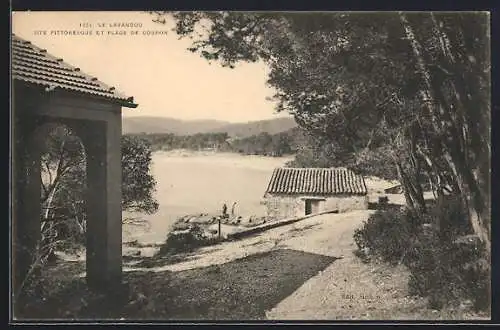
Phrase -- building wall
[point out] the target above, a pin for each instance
(288, 206)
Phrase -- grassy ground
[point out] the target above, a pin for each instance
(243, 289)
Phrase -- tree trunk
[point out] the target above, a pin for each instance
(414, 200)
(435, 108)
(435, 179)
(475, 196)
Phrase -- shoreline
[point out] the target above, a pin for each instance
(190, 152)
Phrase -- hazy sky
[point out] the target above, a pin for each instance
(164, 78)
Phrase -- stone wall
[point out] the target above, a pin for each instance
(288, 206)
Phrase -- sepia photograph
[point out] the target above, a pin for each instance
(186, 166)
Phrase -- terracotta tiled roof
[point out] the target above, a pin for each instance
(34, 65)
(316, 181)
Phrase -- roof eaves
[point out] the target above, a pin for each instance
(283, 184)
(41, 57)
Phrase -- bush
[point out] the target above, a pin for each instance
(449, 272)
(452, 219)
(386, 235)
(186, 241)
(446, 264)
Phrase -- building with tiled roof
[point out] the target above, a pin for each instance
(295, 192)
(35, 66)
(47, 92)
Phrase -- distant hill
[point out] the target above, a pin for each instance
(271, 126)
(189, 127)
(169, 125)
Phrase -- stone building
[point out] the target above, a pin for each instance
(294, 192)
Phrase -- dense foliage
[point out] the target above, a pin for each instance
(416, 83)
(279, 144)
(447, 265)
(314, 153)
(138, 184)
(170, 141)
(186, 241)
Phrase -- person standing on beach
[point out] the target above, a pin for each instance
(232, 209)
(224, 210)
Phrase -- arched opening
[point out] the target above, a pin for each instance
(63, 189)
(56, 160)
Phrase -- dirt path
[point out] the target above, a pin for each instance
(311, 235)
(349, 288)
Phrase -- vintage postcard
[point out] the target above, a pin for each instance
(188, 166)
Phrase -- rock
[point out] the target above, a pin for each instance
(467, 240)
(179, 232)
(467, 304)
